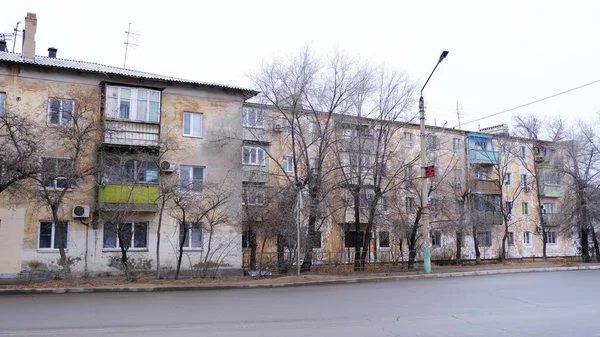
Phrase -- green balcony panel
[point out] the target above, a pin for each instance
(128, 194)
(483, 157)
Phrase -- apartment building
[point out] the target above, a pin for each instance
(486, 183)
(144, 130)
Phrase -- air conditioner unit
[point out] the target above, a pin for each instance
(538, 229)
(527, 188)
(167, 166)
(81, 211)
(539, 158)
(277, 127)
(509, 217)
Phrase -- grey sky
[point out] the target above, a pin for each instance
(502, 54)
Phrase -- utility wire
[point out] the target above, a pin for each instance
(526, 104)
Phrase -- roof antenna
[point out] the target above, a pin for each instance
(127, 43)
(458, 115)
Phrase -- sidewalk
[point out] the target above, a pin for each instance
(150, 285)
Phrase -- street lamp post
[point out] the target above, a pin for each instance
(424, 185)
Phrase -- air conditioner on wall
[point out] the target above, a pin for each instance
(538, 229)
(81, 211)
(167, 166)
(277, 127)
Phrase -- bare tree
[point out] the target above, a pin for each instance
(18, 147)
(308, 93)
(67, 157)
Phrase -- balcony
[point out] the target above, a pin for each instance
(554, 219)
(139, 198)
(486, 186)
(256, 174)
(487, 217)
(483, 157)
(129, 133)
(551, 191)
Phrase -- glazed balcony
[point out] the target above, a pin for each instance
(140, 198)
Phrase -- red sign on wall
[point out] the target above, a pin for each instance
(429, 171)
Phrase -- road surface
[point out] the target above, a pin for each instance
(532, 304)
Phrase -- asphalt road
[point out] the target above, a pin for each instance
(532, 304)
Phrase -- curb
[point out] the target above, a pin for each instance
(291, 284)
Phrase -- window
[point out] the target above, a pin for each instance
(384, 204)
(482, 175)
(2, 103)
(191, 178)
(484, 239)
(193, 236)
(60, 111)
(384, 239)
(286, 126)
(510, 239)
(316, 240)
(436, 238)
(253, 155)
(365, 200)
(525, 208)
(408, 139)
(127, 170)
(192, 124)
(253, 197)
(523, 152)
(56, 173)
(288, 164)
(480, 145)
(48, 234)
(527, 238)
(432, 142)
(410, 205)
(549, 207)
(134, 235)
(509, 207)
(507, 179)
(458, 178)
(524, 180)
(351, 237)
(245, 239)
(551, 237)
(252, 118)
(147, 172)
(409, 173)
(456, 145)
(134, 104)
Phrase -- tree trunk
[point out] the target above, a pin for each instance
(357, 243)
(282, 265)
(476, 244)
(158, 229)
(412, 246)
(595, 241)
(181, 243)
(544, 236)
(585, 250)
(459, 239)
(253, 245)
(59, 228)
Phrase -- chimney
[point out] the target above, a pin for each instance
(29, 36)
(52, 52)
(3, 45)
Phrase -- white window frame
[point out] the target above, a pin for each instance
(191, 178)
(188, 245)
(509, 207)
(258, 150)
(286, 125)
(2, 103)
(133, 103)
(507, 179)
(131, 246)
(52, 237)
(527, 236)
(435, 236)
(389, 240)
(549, 205)
(61, 110)
(456, 145)
(525, 208)
(523, 152)
(408, 139)
(551, 234)
(288, 164)
(410, 204)
(523, 180)
(194, 116)
(258, 120)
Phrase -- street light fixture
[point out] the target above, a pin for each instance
(424, 185)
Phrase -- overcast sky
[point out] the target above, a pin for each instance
(502, 54)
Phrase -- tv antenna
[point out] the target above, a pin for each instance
(132, 35)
